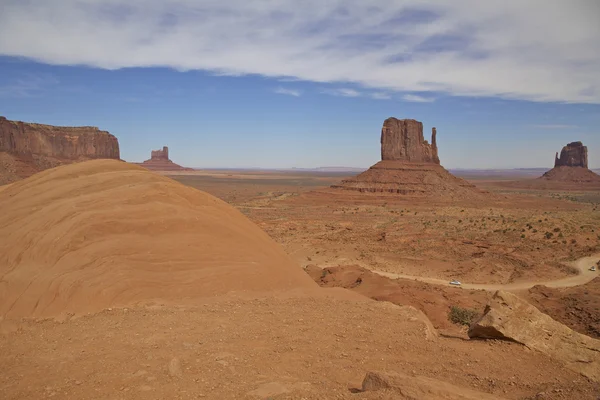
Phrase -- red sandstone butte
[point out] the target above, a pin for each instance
(159, 161)
(409, 166)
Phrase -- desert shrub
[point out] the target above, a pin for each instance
(556, 229)
(462, 316)
(548, 235)
(522, 236)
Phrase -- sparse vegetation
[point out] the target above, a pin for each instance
(462, 316)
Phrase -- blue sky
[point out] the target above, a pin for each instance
(270, 84)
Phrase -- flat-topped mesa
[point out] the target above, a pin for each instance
(64, 143)
(572, 155)
(403, 140)
(162, 155)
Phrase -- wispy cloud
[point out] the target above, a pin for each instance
(28, 86)
(344, 92)
(417, 99)
(553, 126)
(460, 48)
(289, 92)
(380, 96)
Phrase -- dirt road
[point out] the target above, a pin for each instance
(583, 277)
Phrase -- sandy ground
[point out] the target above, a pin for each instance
(295, 348)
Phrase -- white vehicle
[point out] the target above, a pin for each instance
(593, 268)
(455, 283)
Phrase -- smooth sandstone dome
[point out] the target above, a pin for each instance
(83, 237)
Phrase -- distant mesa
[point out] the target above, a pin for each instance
(159, 161)
(409, 165)
(28, 148)
(572, 166)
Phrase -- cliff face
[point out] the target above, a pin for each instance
(70, 143)
(27, 148)
(402, 140)
(572, 155)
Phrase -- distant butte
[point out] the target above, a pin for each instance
(409, 165)
(159, 161)
(572, 166)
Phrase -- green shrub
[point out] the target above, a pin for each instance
(462, 316)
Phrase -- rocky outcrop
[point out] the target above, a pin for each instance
(402, 140)
(160, 155)
(571, 168)
(572, 155)
(420, 387)
(508, 317)
(159, 161)
(27, 148)
(409, 166)
(68, 143)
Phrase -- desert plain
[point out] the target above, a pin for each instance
(121, 282)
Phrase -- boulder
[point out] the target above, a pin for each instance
(420, 387)
(507, 317)
(572, 155)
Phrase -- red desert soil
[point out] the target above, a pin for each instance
(434, 300)
(577, 307)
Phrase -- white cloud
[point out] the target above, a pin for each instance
(344, 92)
(417, 99)
(289, 92)
(380, 96)
(539, 50)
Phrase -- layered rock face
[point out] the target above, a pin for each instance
(409, 166)
(27, 148)
(572, 155)
(159, 161)
(402, 140)
(160, 155)
(572, 166)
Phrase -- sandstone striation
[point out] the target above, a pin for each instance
(508, 317)
(409, 166)
(27, 148)
(572, 155)
(159, 161)
(402, 140)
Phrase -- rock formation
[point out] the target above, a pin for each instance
(402, 140)
(409, 166)
(27, 148)
(159, 161)
(572, 166)
(508, 317)
(572, 155)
